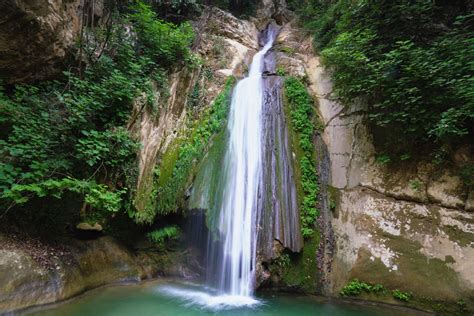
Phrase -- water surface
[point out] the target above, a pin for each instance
(171, 298)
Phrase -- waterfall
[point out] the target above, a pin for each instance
(243, 172)
(246, 185)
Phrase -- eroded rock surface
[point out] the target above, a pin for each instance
(27, 280)
(402, 227)
(226, 45)
(36, 35)
(407, 227)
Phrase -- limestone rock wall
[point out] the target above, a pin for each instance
(408, 226)
(225, 45)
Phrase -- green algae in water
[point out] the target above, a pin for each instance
(168, 298)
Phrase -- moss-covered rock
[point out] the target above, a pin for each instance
(295, 272)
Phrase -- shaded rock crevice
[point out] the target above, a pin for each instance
(37, 35)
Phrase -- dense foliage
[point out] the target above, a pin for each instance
(70, 135)
(411, 61)
(164, 42)
(301, 106)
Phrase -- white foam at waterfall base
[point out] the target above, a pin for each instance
(205, 299)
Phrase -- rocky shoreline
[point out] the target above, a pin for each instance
(34, 273)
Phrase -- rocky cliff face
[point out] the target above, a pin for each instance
(403, 226)
(409, 226)
(35, 37)
(226, 45)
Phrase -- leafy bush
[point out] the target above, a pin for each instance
(98, 196)
(356, 287)
(401, 296)
(301, 107)
(162, 41)
(66, 128)
(111, 147)
(69, 134)
(283, 261)
(411, 61)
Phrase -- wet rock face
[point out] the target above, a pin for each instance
(41, 274)
(35, 37)
(279, 214)
(26, 281)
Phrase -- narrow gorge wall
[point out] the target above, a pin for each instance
(407, 227)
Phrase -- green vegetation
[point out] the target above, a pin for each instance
(164, 42)
(356, 287)
(287, 50)
(415, 185)
(283, 261)
(401, 296)
(299, 271)
(411, 61)
(462, 304)
(301, 111)
(181, 159)
(70, 135)
(281, 72)
(97, 196)
(159, 236)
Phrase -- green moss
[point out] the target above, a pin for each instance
(180, 162)
(207, 188)
(168, 161)
(301, 273)
(281, 71)
(287, 50)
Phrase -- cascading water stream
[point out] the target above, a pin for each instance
(244, 194)
(243, 172)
